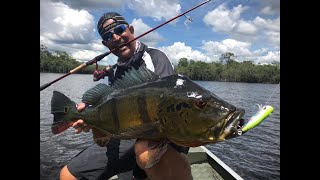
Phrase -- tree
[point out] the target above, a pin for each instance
(183, 62)
(227, 58)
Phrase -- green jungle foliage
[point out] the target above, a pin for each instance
(61, 62)
(230, 71)
(227, 69)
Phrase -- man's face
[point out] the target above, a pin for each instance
(125, 52)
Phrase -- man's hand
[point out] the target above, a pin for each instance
(80, 125)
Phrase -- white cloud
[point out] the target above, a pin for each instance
(269, 57)
(223, 20)
(179, 50)
(267, 24)
(242, 51)
(269, 30)
(66, 29)
(71, 30)
(157, 9)
(269, 7)
(246, 28)
(70, 27)
(61, 24)
(140, 27)
(86, 55)
(229, 22)
(92, 4)
(215, 49)
(267, 10)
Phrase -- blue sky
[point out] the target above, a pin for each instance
(248, 28)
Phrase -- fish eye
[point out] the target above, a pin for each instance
(201, 103)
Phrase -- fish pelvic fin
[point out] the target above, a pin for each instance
(100, 137)
(152, 154)
(61, 105)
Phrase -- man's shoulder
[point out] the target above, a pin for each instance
(155, 52)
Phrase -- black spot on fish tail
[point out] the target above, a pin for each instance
(142, 107)
(171, 108)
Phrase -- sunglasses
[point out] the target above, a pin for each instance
(118, 30)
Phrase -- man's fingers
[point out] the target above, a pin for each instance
(81, 126)
(78, 124)
(78, 130)
(81, 106)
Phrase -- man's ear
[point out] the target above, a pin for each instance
(131, 29)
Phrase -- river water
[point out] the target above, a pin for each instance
(254, 156)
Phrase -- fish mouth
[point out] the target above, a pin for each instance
(234, 123)
(229, 127)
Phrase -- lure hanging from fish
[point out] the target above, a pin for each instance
(256, 119)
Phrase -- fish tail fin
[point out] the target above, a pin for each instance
(61, 106)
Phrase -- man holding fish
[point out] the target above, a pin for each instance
(119, 156)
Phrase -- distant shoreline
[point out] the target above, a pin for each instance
(190, 78)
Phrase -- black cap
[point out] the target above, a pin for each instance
(118, 19)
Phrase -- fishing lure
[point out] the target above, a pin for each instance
(263, 113)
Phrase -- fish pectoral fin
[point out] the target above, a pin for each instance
(155, 152)
(100, 137)
(140, 131)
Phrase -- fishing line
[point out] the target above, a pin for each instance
(188, 18)
(272, 93)
(201, 14)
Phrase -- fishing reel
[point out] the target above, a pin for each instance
(100, 74)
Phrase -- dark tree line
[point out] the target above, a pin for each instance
(227, 69)
(61, 62)
(230, 70)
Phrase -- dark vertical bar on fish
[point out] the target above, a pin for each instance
(142, 108)
(115, 118)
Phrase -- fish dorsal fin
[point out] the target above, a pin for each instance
(135, 77)
(100, 137)
(93, 95)
(131, 78)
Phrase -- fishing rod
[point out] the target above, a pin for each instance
(101, 56)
